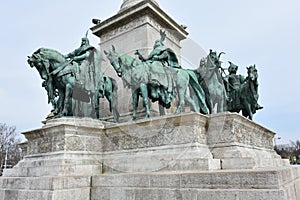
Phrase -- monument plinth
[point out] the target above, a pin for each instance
(183, 156)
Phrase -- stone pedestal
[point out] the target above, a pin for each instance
(61, 158)
(187, 156)
(169, 143)
(63, 147)
(241, 143)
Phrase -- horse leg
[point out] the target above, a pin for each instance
(96, 103)
(135, 101)
(213, 103)
(144, 91)
(192, 103)
(115, 112)
(250, 113)
(219, 101)
(115, 100)
(60, 101)
(246, 111)
(181, 96)
(67, 103)
(112, 97)
(161, 108)
(220, 105)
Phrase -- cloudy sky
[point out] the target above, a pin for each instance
(265, 33)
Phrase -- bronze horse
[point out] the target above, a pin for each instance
(148, 79)
(210, 76)
(249, 93)
(60, 80)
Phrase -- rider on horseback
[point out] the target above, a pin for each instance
(87, 66)
(233, 84)
(167, 57)
(161, 53)
(81, 53)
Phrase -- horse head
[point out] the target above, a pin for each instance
(232, 68)
(213, 59)
(114, 58)
(40, 64)
(252, 72)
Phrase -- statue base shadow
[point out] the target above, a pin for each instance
(186, 156)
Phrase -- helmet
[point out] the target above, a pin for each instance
(85, 40)
(158, 43)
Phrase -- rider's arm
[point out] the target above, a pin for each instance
(139, 55)
(82, 57)
(163, 56)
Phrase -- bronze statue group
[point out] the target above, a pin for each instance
(74, 82)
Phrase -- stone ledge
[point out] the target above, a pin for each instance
(171, 194)
(203, 180)
(58, 170)
(74, 194)
(277, 183)
(45, 183)
(74, 121)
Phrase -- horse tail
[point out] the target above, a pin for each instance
(202, 98)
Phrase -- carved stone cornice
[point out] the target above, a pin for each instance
(139, 10)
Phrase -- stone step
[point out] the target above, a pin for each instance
(183, 194)
(252, 184)
(73, 187)
(158, 164)
(58, 161)
(220, 179)
(45, 183)
(73, 194)
(55, 170)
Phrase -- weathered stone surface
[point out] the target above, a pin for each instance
(172, 157)
(75, 187)
(159, 131)
(167, 143)
(65, 146)
(226, 184)
(241, 143)
(188, 141)
(65, 134)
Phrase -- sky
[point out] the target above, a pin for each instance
(265, 33)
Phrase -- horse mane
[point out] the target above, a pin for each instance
(46, 51)
(130, 60)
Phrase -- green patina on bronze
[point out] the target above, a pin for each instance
(242, 92)
(160, 78)
(151, 81)
(74, 82)
(210, 78)
(161, 53)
